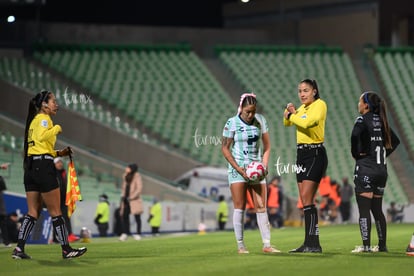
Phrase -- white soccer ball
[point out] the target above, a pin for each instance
(256, 171)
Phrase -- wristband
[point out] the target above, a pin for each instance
(288, 115)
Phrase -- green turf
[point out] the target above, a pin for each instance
(215, 254)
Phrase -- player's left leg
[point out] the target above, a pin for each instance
(259, 196)
(380, 223)
(364, 201)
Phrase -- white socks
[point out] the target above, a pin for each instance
(238, 224)
(264, 226)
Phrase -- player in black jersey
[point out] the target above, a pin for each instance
(372, 140)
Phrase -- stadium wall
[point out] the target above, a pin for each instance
(202, 40)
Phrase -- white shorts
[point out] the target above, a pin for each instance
(235, 177)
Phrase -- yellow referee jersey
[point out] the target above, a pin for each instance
(42, 135)
(310, 122)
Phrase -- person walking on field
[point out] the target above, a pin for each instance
(40, 182)
(131, 202)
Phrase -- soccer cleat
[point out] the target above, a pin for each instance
(137, 237)
(410, 250)
(18, 254)
(306, 249)
(378, 248)
(242, 250)
(123, 237)
(270, 249)
(362, 249)
(73, 253)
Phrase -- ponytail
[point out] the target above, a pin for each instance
(386, 126)
(377, 106)
(34, 107)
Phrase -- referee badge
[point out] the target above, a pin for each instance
(44, 123)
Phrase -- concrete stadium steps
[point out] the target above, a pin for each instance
(157, 88)
(396, 70)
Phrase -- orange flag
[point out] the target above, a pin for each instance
(73, 192)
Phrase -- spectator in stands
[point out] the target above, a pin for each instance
(222, 213)
(102, 215)
(131, 202)
(346, 193)
(395, 214)
(372, 140)
(40, 182)
(243, 135)
(61, 176)
(3, 212)
(312, 160)
(275, 203)
(155, 217)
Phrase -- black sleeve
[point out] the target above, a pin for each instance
(356, 138)
(395, 141)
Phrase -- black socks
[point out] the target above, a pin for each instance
(380, 221)
(25, 230)
(364, 207)
(311, 226)
(61, 232)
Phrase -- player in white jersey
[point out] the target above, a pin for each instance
(243, 136)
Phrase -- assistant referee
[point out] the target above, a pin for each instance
(311, 159)
(40, 177)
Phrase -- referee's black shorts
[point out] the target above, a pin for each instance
(311, 162)
(40, 174)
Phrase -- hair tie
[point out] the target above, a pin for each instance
(243, 96)
(368, 102)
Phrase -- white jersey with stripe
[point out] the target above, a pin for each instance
(247, 138)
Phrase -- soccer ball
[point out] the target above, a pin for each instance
(256, 171)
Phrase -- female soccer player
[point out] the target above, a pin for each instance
(40, 177)
(311, 159)
(242, 137)
(372, 140)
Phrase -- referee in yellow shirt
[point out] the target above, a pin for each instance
(311, 159)
(40, 176)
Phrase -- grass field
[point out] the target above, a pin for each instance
(215, 254)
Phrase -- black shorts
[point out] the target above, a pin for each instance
(368, 179)
(311, 162)
(40, 174)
